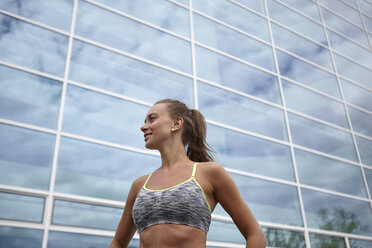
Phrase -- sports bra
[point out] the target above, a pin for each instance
(184, 204)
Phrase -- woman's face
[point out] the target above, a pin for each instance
(157, 127)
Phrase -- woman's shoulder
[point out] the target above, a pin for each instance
(139, 182)
(211, 168)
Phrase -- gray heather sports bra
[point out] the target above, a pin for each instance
(184, 204)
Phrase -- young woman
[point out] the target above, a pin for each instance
(172, 206)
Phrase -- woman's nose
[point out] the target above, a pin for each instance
(143, 128)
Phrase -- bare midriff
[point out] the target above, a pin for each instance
(171, 236)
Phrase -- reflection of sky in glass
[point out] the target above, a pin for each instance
(31, 46)
(25, 157)
(56, 13)
(233, 74)
(360, 243)
(325, 211)
(344, 10)
(328, 173)
(247, 153)
(233, 15)
(15, 237)
(21, 207)
(74, 240)
(27, 98)
(284, 238)
(85, 215)
(103, 117)
(99, 171)
(122, 33)
(368, 174)
(301, 46)
(232, 42)
(161, 13)
(225, 232)
(320, 137)
(365, 6)
(357, 95)
(361, 121)
(239, 111)
(368, 22)
(307, 7)
(365, 148)
(308, 74)
(255, 5)
(320, 241)
(313, 104)
(113, 72)
(296, 21)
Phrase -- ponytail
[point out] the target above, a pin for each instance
(194, 130)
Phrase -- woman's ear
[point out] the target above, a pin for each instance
(177, 123)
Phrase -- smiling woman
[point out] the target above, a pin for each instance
(172, 206)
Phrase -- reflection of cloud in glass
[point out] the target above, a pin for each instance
(365, 148)
(31, 46)
(29, 98)
(361, 121)
(368, 174)
(307, 7)
(343, 10)
(110, 71)
(15, 237)
(255, 5)
(225, 232)
(357, 95)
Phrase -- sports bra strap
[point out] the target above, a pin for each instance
(144, 186)
(194, 170)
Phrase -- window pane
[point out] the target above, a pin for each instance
(99, 171)
(138, 38)
(31, 46)
(357, 95)
(85, 215)
(247, 153)
(321, 241)
(233, 15)
(307, 74)
(21, 207)
(365, 6)
(354, 243)
(292, 19)
(120, 74)
(56, 13)
(263, 118)
(255, 5)
(269, 201)
(337, 213)
(365, 148)
(361, 121)
(368, 22)
(158, 13)
(15, 237)
(28, 98)
(103, 117)
(307, 7)
(320, 137)
(225, 232)
(25, 157)
(301, 47)
(330, 174)
(284, 238)
(344, 10)
(368, 174)
(232, 42)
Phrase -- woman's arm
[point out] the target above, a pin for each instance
(227, 194)
(126, 227)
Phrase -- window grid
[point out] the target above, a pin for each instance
(364, 24)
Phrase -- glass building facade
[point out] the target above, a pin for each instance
(285, 86)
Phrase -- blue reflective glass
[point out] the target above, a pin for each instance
(233, 15)
(321, 137)
(344, 27)
(307, 7)
(99, 171)
(232, 42)
(301, 46)
(270, 201)
(185, 2)
(133, 37)
(361, 121)
(365, 6)
(255, 5)
(365, 148)
(323, 172)
(85, 215)
(368, 174)
(225, 232)
(307, 74)
(344, 10)
(313, 104)
(355, 243)
(233, 74)
(56, 13)
(368, 22)
(321, 241)
(120, 74)
(28, 98)
(352, 2)
(159, 13)
(350, 49)
(100, 116)
(284, 238)
(357, 95)
(232, 109)
(15, 237)
(25, 157)
(247, 153)
(21, 207)
(292, 19)
(336, 213)
(27, 45)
